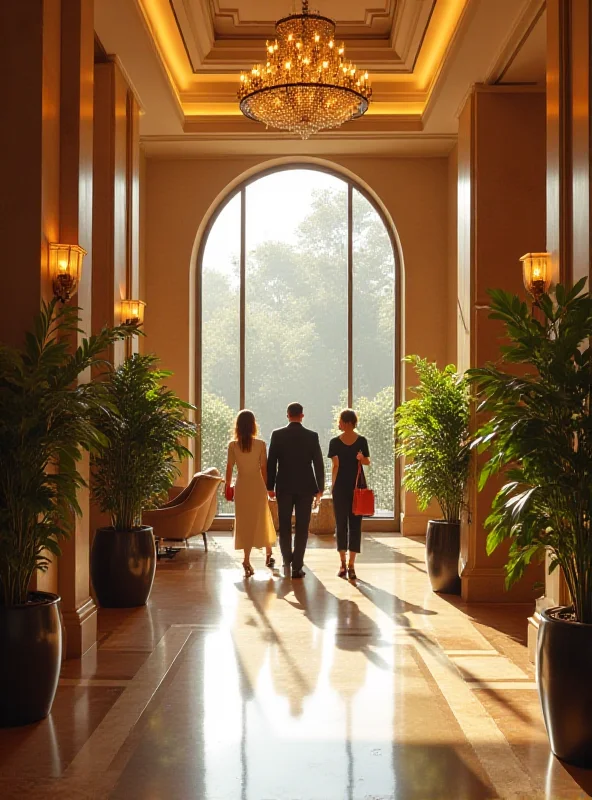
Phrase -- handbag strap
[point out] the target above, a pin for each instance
(358, 475)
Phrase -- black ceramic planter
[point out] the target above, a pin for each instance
(122, 566)
(30, 659)
(442, 553)
(564, 670)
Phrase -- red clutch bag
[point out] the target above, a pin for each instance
(229, 492)
(363, 505)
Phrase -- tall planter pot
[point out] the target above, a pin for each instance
(30, 659)
(564, 670)
(442, 554)
(122, 566)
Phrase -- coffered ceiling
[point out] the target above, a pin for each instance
(205, 43)
(228, 36)
(183, 58)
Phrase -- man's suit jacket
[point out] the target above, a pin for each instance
(295, 461)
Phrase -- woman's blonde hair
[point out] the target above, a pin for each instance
(245, 430)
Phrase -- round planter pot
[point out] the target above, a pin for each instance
(30, 660)
(442, 553)
(122, 566)
(564, 668)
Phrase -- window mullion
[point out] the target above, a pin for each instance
(243, 265)
(350, 297)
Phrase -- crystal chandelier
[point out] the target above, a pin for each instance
(306, 84)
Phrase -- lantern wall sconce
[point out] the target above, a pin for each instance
(65, 268)
(132, 312)
(536, 273)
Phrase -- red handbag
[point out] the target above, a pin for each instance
(363, 505)
(229, 492)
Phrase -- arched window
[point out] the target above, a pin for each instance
(297, 292)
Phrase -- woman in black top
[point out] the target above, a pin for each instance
(347, 452)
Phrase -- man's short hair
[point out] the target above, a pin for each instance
(295, 410)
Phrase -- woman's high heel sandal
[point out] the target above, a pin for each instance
(351, 573)
(342, 571)
(249, 571)
(270, 561)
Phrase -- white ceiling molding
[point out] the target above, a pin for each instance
(211, 146)
(523, 58)
(219, 38)
(475, 48)
(257, 18)
(463, 44)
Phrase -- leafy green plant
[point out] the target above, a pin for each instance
(45, 425)
(539, 433)
(432, 434)
(142, 458)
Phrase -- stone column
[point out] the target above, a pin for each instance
(568, 179)
(116, 159)
(29, 157)
(76, 182)
(46, 75)
(116, 198)
(501, 216)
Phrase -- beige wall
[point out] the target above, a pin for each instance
(180, 195)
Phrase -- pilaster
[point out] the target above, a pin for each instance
(501, 216)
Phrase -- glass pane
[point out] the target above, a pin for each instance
(296, 298)
(374, 345)
(220, 338)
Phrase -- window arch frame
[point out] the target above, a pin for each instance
(384, 523)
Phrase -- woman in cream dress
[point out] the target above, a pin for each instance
(253, 523)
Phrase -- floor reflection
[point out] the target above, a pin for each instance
(273, 689)
(304, 695)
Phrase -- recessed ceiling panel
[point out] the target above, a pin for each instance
(227, 35)
(240, 18)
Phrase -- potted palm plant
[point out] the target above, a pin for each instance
(145, 425)
(432, 435)
(539, 433)
(45, 425)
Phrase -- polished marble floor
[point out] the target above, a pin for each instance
(271, 689)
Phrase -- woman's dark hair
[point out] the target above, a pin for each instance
(245, 428)
(348, 415)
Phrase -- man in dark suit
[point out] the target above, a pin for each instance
(296, 474)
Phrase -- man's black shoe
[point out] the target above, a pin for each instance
(299, 573)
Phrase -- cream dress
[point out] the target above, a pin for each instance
(253, 523)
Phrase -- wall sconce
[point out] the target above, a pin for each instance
(132, 312)
(65, 268)
(536, 274)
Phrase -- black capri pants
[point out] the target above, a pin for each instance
(348, 526)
